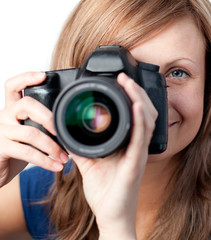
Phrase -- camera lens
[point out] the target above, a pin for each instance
(96, 117)
(91, 117)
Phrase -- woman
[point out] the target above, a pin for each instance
(130, 194)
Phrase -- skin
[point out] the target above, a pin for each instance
(118, 188)
(185, 106)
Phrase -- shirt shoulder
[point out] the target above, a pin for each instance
(35, 184)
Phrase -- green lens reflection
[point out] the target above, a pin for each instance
(88, 117)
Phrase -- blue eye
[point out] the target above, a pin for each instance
(178, 73)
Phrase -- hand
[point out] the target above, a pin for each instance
(111, 184)
(15, 139)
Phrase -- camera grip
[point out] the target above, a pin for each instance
(46, 94)
(160, 135)
(154, 84)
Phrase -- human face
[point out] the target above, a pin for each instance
(179, 50)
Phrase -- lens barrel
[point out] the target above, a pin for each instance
(93, 117)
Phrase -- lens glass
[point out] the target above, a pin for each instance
(91, 118)
(96, 117)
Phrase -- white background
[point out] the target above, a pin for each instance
(28, 33)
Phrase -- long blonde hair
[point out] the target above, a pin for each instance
(187, 212)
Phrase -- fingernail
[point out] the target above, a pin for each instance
(123, 75)
(57, 166)
(64, 157)
(40, 75)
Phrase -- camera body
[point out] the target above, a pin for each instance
(92, 113)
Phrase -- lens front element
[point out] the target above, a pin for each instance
(91, 117)
(96, 117)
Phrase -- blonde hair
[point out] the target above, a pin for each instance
(187, 212)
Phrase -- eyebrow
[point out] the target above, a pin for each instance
(187, 60)
(184, 59)
(188, 63)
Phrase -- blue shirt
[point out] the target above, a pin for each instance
(35, 184)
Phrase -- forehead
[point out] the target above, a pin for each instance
(180, 39)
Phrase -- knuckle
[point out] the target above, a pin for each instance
(27, 151)
(32, 133)
(24, 104)
(49, 117)
(8, 85)
(26, 100)
(51, 145)
(150, 126)
(155, 114)
(141, 106)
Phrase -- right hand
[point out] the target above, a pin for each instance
(16, 140)
(111, 184)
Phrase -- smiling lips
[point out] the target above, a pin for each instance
(171, 123)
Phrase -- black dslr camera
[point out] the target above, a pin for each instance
(92, 112)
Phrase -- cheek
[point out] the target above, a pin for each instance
(192, 111)
(192, 103)
(189, 106)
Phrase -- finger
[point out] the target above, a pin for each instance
(135, 147)
(83, 163)
(29, 154)
(134, 91)
(36, 138)
(15, 85)
(144, 116)
(28, 107)
(138, 94)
